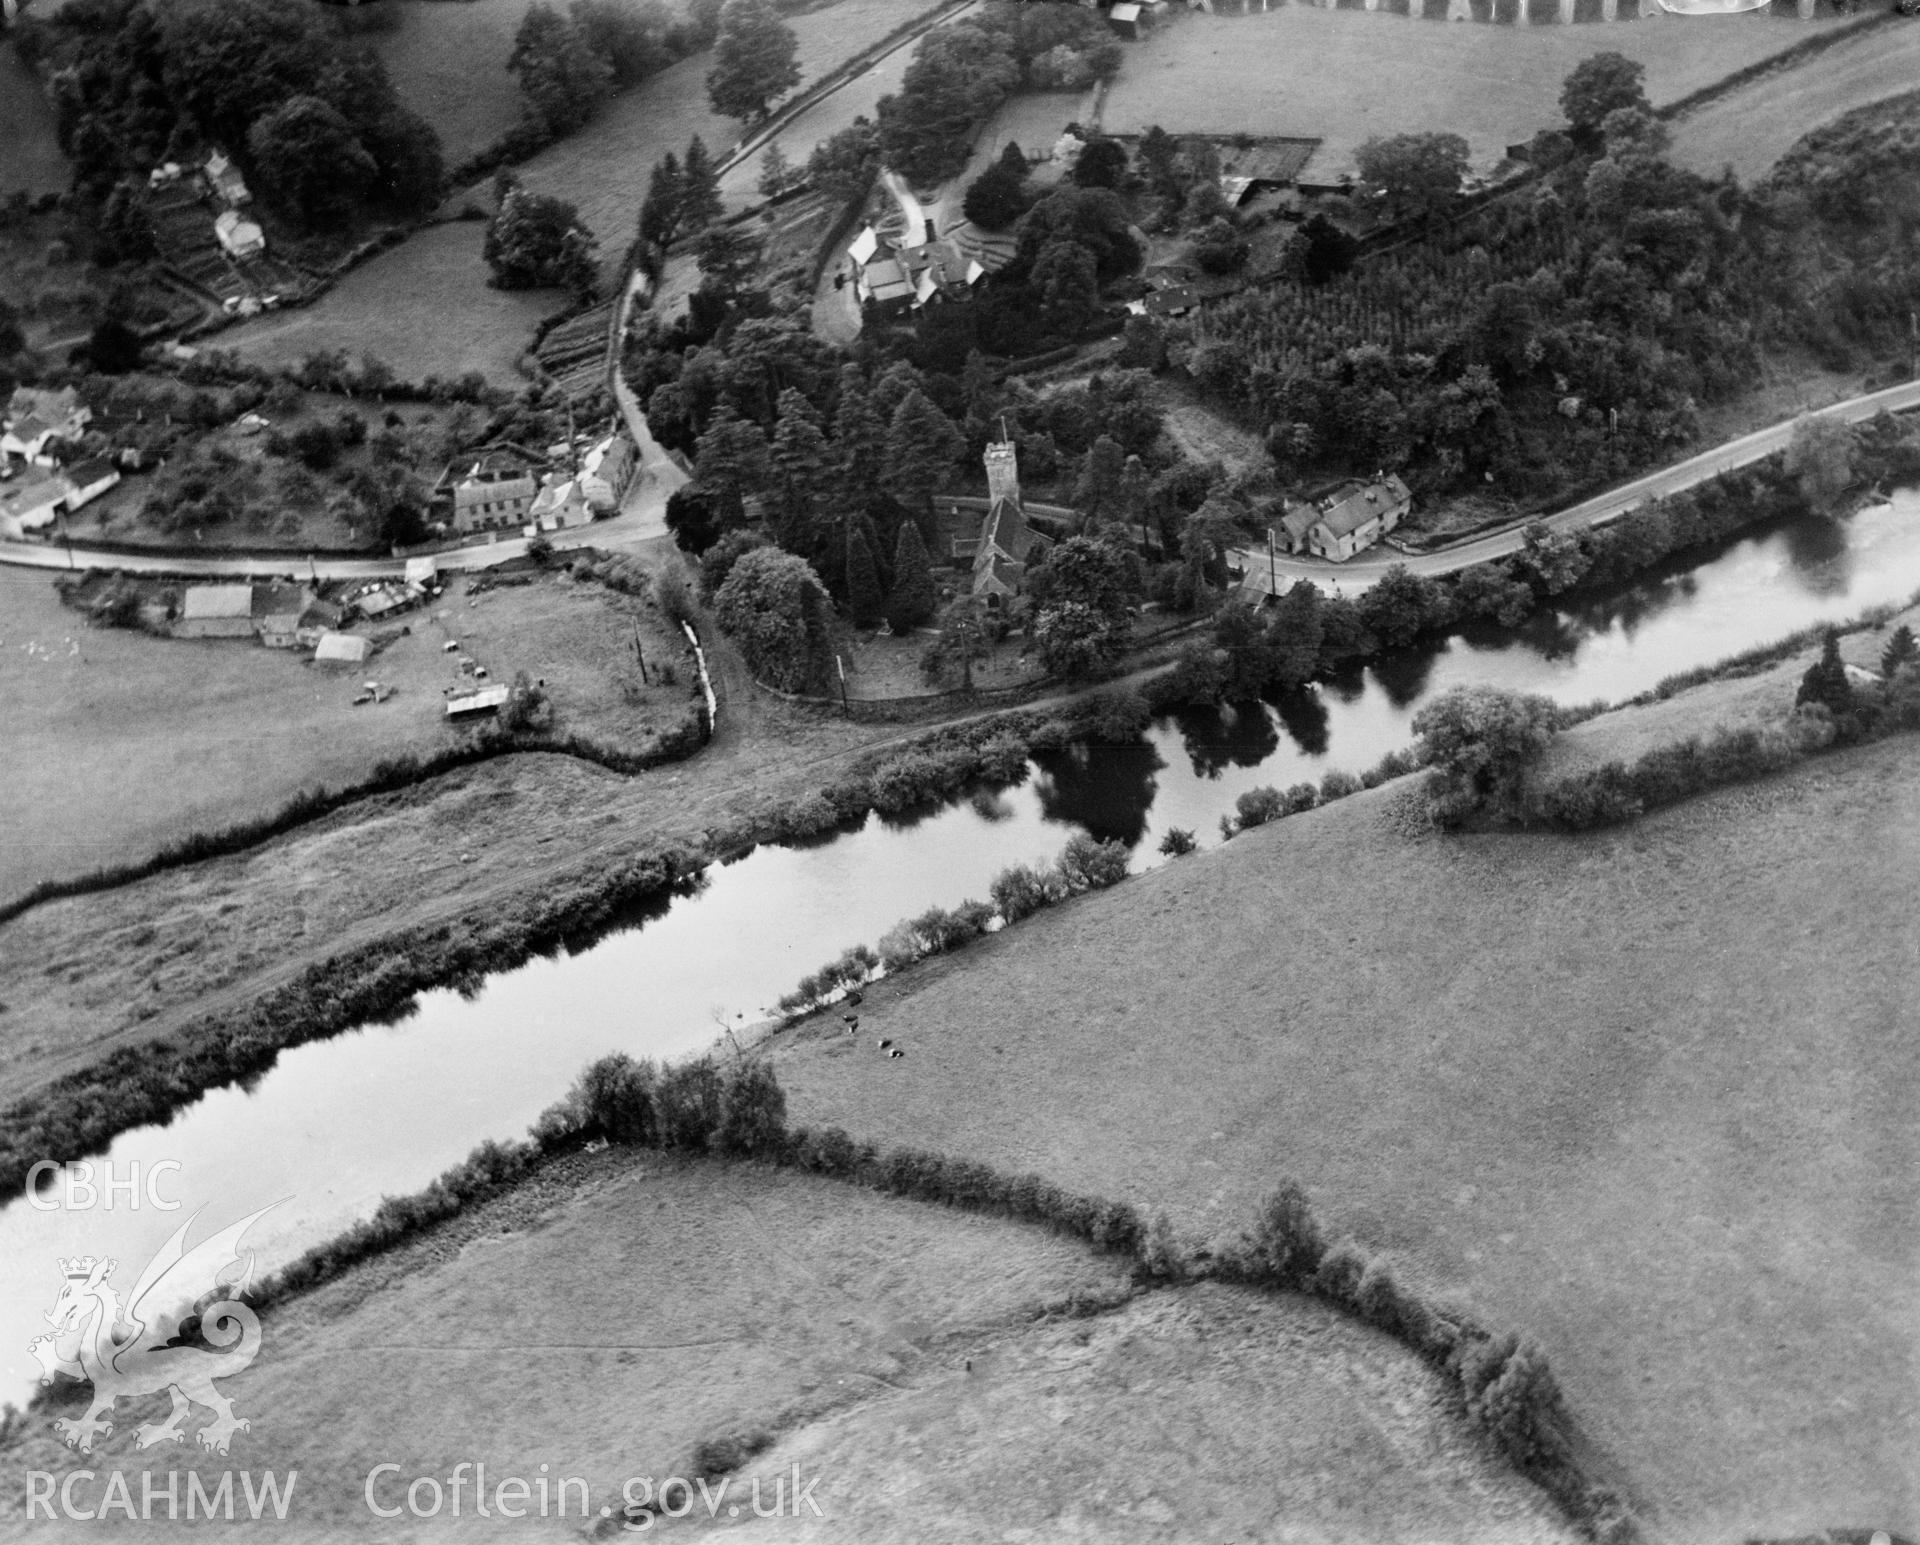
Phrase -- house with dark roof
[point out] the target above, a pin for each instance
(1008, 544)
(1341, 519)
(491, 490)
(88, 480)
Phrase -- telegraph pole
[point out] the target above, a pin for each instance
(1273, 575)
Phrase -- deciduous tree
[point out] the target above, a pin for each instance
(753, 60)
(1600, 84)
(1417, 174)
(1482, 744)
(564, 81)
(774, 607)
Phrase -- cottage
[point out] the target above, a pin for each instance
(87, 480)
(29, 501)
(1342, 519)
(342, 649)
(237, 236)
(225, 180)
(492, 491)
(1007, 543)
(276, 613)
(562, 503)
(215, 611)
(35, 417)
(608, 472)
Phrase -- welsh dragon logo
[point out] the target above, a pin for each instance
(141, 1351)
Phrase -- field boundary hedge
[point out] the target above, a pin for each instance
(388, 776)
(1502, 1384)
(1788, 58)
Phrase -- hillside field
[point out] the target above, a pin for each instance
(609, 1318)
(212, 732)
(1752, 128)
(448, 62)
(1343, 76)
(1639, 1094)
(30, 157)
(424, 307)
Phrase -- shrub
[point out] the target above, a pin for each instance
(1178, 842)
(689, 1099)
(1338, 785)
(1301, 797)
(1023, 890)
(1337, 1278)
(715, 1457)
(615, 1099)
(1285, 1248)
(1511, 1394)
(1258, 806)
(1088, 865)
(753, 1118)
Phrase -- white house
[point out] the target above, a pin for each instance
(225, 179)
(608, 471)
(240, 237)
(1343, 519)
(29, 501)
(562, 503)
(35, 417)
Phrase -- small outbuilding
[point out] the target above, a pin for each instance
(342, 649)
(88, 480)
(476, 705)
(215, 611)
(29, 501)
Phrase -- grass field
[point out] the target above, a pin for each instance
(1752, 128)
(120, 742)
(449, 64)
(1638, 1094)
(608, 1325)
(30, 156)
(603, 169)
(1343, 76)
(424, 307)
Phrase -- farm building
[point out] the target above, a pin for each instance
(276, 613)
(29, 501)
(88, 480)
(476, 705)
(342, 649)
(491, 491)
(319, 619)
(35, 417)
(215, 611)
(1342, 519)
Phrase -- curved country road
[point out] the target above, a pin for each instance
(640, 523)
(1359, 573)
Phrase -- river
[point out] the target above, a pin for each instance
(334, 1125)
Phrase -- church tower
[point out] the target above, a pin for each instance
(1003, 472)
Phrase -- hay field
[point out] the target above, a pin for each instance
(606, 1320)
(424, 307)
(115, 743)
(30, 157)
(1752, 128)
(448, 62)
(1344, 76)
(1640, 1094)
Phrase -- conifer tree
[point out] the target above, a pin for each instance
(863, 580)
(699, 188)
(914, 597)
(922, 447)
